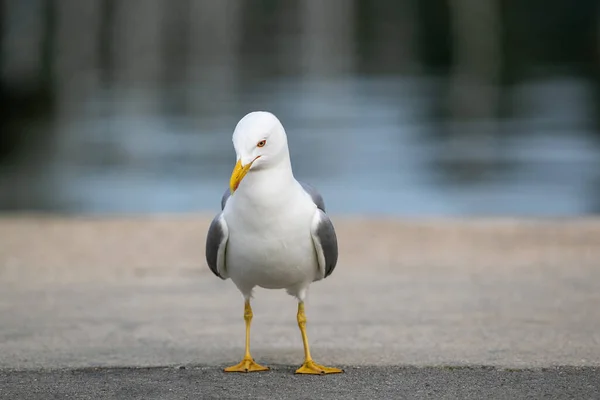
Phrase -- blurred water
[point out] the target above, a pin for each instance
(369, 145)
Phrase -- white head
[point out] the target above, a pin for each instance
(260, 142)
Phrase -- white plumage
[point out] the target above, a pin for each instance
(272, 231)
(271, 245)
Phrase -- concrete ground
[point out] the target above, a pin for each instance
(373, 382)
(415, 308)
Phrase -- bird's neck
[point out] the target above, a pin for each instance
(267, 187)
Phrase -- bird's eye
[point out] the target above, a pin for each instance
(261, 143)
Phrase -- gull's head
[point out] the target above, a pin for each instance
(260, 142)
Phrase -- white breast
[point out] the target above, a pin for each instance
(269, 245)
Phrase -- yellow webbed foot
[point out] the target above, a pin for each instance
(311, 367)
(246, 365)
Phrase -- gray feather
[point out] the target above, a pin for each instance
(214, 240)
(316, 196)
(226, 196)
(328, 240)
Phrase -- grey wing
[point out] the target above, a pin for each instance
(226, 196)
(315, 195)
(216, 245)
(325, 241)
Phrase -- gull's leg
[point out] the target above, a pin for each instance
(247, 364)
(309, 366)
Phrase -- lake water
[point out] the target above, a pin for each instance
(368, 144)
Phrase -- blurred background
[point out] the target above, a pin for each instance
(392, 107)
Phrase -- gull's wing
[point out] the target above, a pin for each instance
(315, 195)
(226, 196)
(325, 241)
(216, 244)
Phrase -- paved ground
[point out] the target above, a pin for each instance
(421, 296)
(280, 383)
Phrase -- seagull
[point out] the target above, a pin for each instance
(272, 230)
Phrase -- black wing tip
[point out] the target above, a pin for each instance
(331, 266)
(218, 275)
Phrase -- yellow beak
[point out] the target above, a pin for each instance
(238, 174)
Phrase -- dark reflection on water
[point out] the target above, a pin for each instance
(368, 144)
(399, 107)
